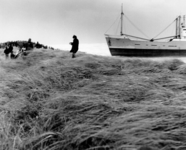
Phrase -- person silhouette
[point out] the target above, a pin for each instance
(75, 46)
(8, 50)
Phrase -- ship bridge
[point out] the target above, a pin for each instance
(180, 28)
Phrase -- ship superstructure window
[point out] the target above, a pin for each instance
(137, 44)
(153, 45)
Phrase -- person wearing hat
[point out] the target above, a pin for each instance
(75, 45)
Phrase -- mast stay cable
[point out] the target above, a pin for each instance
(164, 29)
(112, 24)
(117, 28)
(136, 27)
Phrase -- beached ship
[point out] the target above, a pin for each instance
(129, 45)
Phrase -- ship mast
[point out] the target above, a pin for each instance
(178, 29)
(121, 33)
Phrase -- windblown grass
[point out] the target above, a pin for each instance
(52, 102)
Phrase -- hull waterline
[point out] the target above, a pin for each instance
(146, 52)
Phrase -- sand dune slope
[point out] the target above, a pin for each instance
(49, 101)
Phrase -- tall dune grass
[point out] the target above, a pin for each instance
(52, 102)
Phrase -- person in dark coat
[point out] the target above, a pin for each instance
(75, 45)
(8, 50)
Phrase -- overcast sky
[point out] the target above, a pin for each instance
(54, 22)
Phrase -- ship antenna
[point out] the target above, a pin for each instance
(121, 20)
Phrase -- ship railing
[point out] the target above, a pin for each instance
(126, 36)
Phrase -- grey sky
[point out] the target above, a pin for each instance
(56, 21)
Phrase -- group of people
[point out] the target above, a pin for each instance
(10, 53)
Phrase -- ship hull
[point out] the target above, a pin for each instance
(126, 47)
(146, 52)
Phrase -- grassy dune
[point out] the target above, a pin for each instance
(49, 101)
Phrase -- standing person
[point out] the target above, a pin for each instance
(75, 45)
(8, 50)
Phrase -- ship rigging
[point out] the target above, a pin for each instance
(178, 28)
